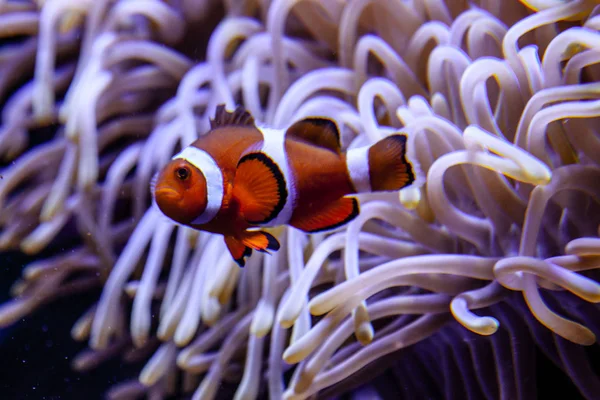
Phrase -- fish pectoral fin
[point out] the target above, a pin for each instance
(238, 250)
(320, 132)
(260, 241)
(259, 188)
(332, 216)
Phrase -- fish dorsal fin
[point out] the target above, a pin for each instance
(239, 117)
(333, 215)
(259, 188)
(320, 132)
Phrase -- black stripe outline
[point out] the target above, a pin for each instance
(402, 138)
(281, 190)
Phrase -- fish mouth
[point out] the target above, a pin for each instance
(166, 193)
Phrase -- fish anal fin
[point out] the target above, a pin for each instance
(238, 250)
(259, 188)
(333, 215)
(260, 241)
(320, 132)
(239, 117)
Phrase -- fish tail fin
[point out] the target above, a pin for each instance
(383, 166)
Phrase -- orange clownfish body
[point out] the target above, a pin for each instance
(239, 177)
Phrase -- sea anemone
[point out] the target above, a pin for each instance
(493, 251)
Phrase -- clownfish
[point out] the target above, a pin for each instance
(240, 177)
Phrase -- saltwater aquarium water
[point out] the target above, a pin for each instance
(478, 281)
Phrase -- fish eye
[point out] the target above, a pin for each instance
(182, 173)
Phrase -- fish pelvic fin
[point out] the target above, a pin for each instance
(241, 246)
(260, 241)
(238, 250)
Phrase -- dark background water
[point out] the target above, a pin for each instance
(36, 352)
(36, 355)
